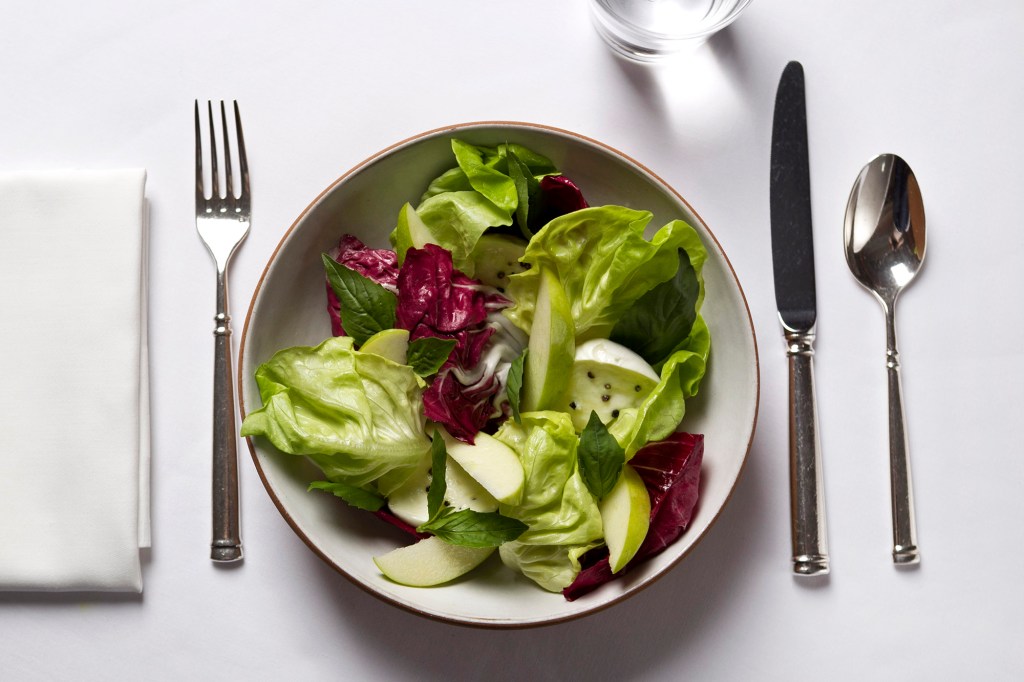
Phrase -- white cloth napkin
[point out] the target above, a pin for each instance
(74, 393)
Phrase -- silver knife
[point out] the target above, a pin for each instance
(793, 263)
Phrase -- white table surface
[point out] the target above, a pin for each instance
(323, 85)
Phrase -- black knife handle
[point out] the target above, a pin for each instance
(806, 489)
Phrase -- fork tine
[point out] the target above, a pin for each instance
(229, 181)
(243, 163)
(200, 193)
(214, 175)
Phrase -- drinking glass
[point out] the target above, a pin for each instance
(649, 30)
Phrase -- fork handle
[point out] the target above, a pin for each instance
(226, 545)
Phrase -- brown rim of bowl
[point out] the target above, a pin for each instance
(407, 607)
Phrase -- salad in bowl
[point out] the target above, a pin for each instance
(505, 380)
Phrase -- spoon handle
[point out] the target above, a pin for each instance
(806, 489)
(904, 529)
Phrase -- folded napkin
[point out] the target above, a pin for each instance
(74, 402)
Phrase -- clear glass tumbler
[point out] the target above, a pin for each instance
(648, 30)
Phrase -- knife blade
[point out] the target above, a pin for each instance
(795, 298)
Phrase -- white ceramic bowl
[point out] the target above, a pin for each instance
(288, 309)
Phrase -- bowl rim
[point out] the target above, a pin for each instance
(487, 624)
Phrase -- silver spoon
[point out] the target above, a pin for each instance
(885, 243)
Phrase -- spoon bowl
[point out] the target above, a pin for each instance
(885, 227)
(884, 235)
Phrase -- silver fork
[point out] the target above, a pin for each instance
(223, 223)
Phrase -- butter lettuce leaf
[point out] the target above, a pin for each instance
(550, 566)
(646, 294)
(485, 169)
(457, 220)
(452, 180)
(481, 168)
(356, 415)
(479, 193)
(604, 263)
(663, 409)
(561, 515)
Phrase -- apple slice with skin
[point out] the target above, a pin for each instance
(491, 463)
(392, 344)
(496, 258)
(626, 515)
(411, 231)
(552, 346)
(429, 562)
(409, 501)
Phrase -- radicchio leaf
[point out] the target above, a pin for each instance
(386, 515)
(379, 265)
(463, 410)
(436, 300)
(670, 470)
(433, 294)
(556, 196)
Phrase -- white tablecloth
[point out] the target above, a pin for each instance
(322, 85)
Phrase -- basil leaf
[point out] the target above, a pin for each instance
(525, 185)
(470, 528)
(514, 384)
(600, 457)
(426, 355)
(438, 483)
(366, 306)
(360, 498)
(663, 317)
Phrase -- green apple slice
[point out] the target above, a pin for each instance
(551, 349)
(492, 464)
(626, 515)
(429, 562)
(496, 258)
(411, 232)
(409, 500)
(606, 378)
(392, 344)
(464, 491)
